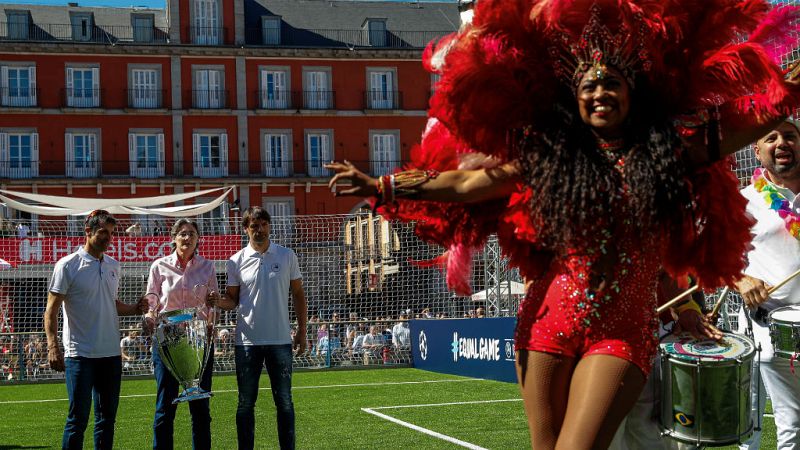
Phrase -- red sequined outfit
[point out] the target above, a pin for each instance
(562, 315)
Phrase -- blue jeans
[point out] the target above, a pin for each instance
(278, 361)
(166, 391)
(88, 378)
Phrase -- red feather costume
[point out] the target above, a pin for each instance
(502, 73)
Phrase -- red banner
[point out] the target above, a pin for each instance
(124, 249)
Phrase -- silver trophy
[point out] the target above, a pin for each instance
(183, 340)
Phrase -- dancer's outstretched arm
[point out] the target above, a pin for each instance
(468, 186)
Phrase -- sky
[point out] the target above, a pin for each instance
(129, 3)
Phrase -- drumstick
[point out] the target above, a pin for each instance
(675, 300)
(785, 280)
(722, 296)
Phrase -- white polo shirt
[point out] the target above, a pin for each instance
(263, 280)
(776, 253)
(90, 285)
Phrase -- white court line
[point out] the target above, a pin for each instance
(435, 434)
(294, 388)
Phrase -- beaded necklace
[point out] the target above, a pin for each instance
(777, 202)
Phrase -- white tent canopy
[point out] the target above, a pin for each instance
(506, 288)
(52, 205)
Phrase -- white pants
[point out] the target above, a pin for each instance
(783, 389)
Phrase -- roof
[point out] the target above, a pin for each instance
(60, 14)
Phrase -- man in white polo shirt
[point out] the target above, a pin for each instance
(85, 285)
(260, 278)
(775, 255)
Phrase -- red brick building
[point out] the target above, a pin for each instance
(120, 102)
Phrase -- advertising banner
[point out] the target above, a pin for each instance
(481, 348)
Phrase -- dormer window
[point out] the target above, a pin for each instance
(18, 24)
(82, 26)
(271, 26)
(375, 30)
(143, 27)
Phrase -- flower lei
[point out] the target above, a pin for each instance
(777, 202)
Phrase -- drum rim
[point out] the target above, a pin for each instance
(692, 359)
(772, 319)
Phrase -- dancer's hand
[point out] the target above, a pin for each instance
(363, 184)
(753, 291)
(697, 325)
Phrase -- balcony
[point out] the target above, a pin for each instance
(19, 169)
(82, 98)
(98, 34)
(209, 99)
(379, 99)
(276, 99)
(147, 169)
(289, 37)
(208, 35)
(146, 98)
(83, 169)
(319, 99)
(18, 97)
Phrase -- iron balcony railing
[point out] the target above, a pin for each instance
(209, 98)
(146, 98)
(380, 99)
(18, 97)
(208, 35)
(274, 99)
(319, 99)
(82, 98)
(98, 34)
(392, 39)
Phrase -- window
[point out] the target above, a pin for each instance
(144, 92)
(276, 153)
(385, 154)
(205, 29)
(83, 87)
(376, 32)
(82, 26)
(317, 93)
(319, 152)
(18, 86)
(143, 27)
(214, 221)
(146, 154)
(271, 27)
(381, 94)
(210, 152)
(19, 154)
(208, 93)
(280, 211)
(81, 155)
(18, 24)
(274, 89)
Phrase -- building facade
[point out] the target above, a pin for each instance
(124, 102)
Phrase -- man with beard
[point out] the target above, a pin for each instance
(85, 285)
(775, 255)
(260, 277)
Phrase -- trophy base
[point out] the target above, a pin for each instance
(193, 393)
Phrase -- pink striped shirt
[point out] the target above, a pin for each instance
(175, 287)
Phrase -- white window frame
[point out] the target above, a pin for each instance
(384, 151)
(209, 170)
(324, 140)
(376, 32)
(83, 101)
(143, 26)
(281, 211)
(271, 167)
(206, 22)
(6, 170)
(82, 26)
(275, 89)
(317, 88)
(135, 138)
(209, 87)
(6, 97)
(381, 88)
(271, 30)
(89, 167)
(145, 86)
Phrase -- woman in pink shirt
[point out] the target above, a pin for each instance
(173, 279)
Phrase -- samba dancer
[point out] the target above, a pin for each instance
(172, 282)
(773, 200)
(591, 177)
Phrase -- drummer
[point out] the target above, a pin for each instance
(180, 280)
(775, 255)
(640, 429)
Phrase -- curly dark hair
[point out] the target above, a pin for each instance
(582, 191)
